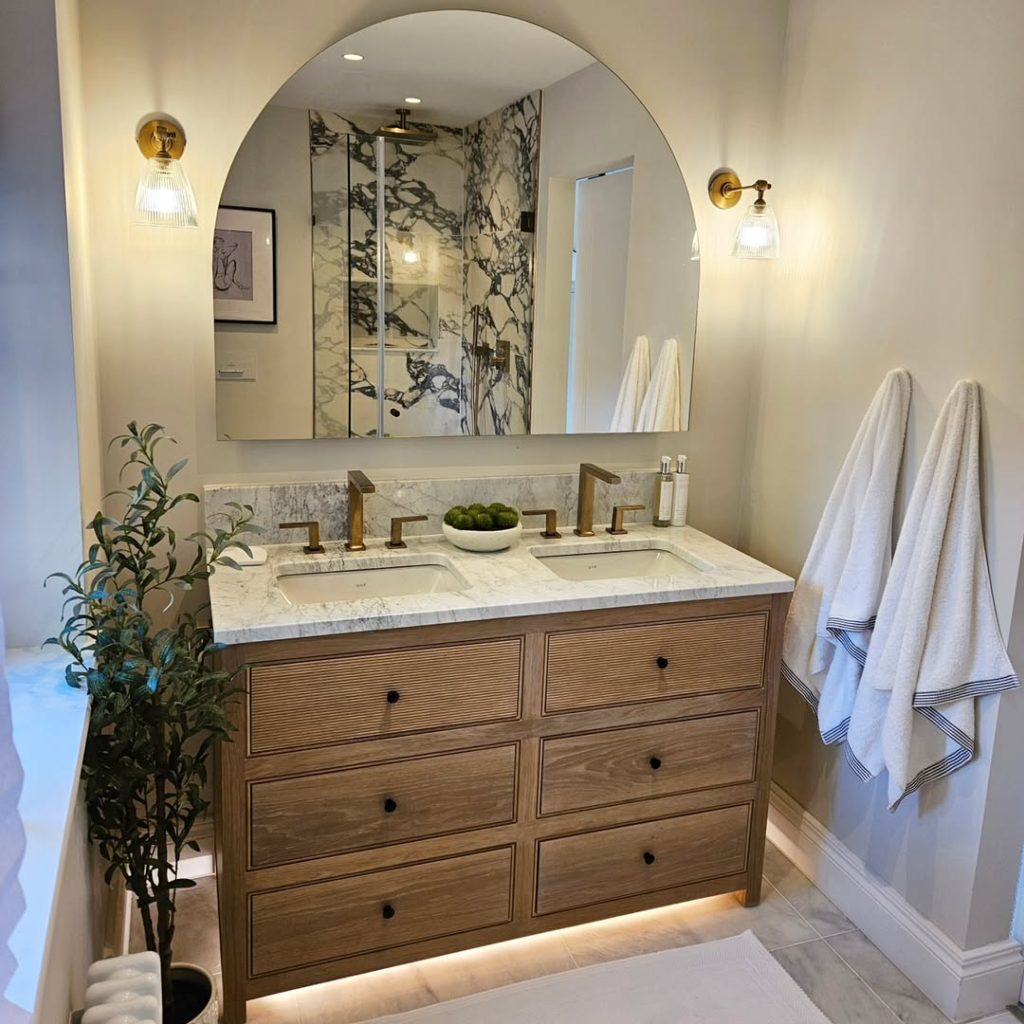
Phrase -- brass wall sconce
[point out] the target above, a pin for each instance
(757, 237)
(164, 197)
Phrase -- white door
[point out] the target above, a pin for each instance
(597, 345)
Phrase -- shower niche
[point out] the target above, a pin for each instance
(456, 266)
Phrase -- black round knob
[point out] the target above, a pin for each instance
(655, 763)
(662, 662)
(649, 857)
(394, 696)
(390, 805)
(387, 912)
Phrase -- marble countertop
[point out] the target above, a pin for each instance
(248, 606)
(48, 720)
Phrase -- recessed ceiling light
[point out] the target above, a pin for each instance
(413, 99)
(352, 56)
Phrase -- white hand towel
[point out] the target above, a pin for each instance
(660, 409)
(937, 644)
(633, 388)
(830, 619)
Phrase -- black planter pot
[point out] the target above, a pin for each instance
(195, 998)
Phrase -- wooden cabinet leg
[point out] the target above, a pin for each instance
(230, 829)
(751, 896)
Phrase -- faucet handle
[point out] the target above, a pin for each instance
(617, 516)
(550, 520)
(314, 547)
(396, 530)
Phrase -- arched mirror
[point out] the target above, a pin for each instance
(451, 224)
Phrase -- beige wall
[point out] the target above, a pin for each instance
(894, 254)
(151, 293)
(271, 171)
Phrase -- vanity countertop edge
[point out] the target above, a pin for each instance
(248, 606)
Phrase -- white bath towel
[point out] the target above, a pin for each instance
(635, 380)
(837, 595)
(937, 644)
(660, 409)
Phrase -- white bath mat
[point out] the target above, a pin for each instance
(732, 981)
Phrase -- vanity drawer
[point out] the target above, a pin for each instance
(346, 916)
(645, 761)
(354, 808)
(581, 870)
(294, 705)
(595, 668)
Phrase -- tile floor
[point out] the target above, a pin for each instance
(841, 971)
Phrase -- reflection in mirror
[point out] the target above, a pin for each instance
(472, 227)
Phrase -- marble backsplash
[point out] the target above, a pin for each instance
(327, 501)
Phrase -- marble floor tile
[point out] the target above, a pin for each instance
(810, 902)
(282, 1008)
(831, 985)
(773, 921)
(477, 970)
(893, 987)
(395, 990)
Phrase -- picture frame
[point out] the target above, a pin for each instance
(244, 265)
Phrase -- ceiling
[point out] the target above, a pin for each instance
(462, 64)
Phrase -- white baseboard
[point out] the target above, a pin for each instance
(963, 983)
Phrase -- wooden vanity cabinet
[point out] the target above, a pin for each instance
(397, 795)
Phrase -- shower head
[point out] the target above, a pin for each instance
(403, 132)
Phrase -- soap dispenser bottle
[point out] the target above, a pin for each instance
(663, 494)
(680, 492)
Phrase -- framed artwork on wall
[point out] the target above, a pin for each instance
(244, 266)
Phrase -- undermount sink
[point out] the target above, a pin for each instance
(618, 564)
(359, 584)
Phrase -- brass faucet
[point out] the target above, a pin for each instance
(585, 499)
(358, 485)
(618, 528)
(314, 547)
(397, 522)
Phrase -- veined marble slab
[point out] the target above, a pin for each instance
(249, 607)
(327, 501)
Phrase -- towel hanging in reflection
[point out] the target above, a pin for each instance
(832, 614)
(633, 388)
(937, 643)
(661, 407)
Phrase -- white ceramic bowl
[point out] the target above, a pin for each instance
(482, 540)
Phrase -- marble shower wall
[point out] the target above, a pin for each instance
(424, 200)
(327, 502)
(502, 169)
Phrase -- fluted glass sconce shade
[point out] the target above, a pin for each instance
(164, 197)
(757, 237)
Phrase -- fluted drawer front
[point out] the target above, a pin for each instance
(638, 763)
(343, 917)
(595, 668)
(294, 705)
(578, 871)
(351, 809)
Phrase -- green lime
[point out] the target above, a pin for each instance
(463, 522)
(483, 521)
(452, 514)
(506, 520)
(476, 507)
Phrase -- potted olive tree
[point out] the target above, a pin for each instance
(157, 698)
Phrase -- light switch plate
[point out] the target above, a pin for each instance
(236, 366)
